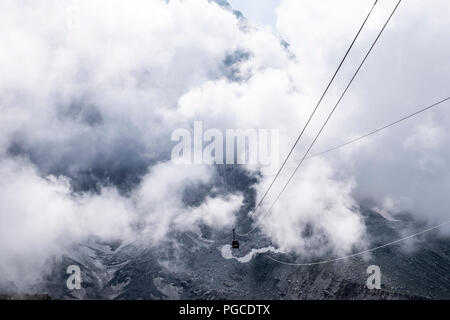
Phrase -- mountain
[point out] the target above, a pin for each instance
(192, 266)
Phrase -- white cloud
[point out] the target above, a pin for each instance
(41, 219)
(159, 200)
(406, 71)
(106, 92)
(315, 215)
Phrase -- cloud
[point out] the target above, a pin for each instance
(103, 85)
(315, 215)
(83, 96)
(159, 199)
(40, 218)
(90, 93)
(406, 71)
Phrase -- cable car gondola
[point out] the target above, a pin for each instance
(234, 243)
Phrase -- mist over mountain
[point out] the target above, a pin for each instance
(91, 93)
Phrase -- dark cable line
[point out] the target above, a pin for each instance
(376, 130)
(436, 104)
(329, 116)
(314, 111)
(379, 129)
(336, 105)
(360, 252)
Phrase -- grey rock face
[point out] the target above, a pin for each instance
(193, 268)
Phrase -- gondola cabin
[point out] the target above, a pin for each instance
(234, 243)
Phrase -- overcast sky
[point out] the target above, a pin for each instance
(259, 12)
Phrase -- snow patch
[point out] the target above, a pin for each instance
(227, 253)
(384, 214)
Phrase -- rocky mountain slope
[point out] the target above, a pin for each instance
(195, 267)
